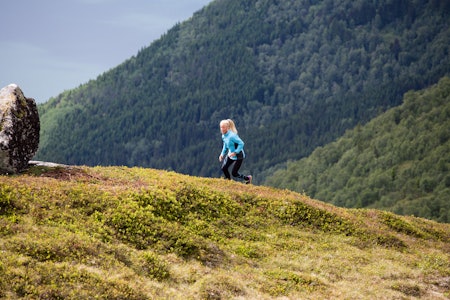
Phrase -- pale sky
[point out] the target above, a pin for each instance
(49, 46)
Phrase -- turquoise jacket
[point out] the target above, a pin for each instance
(232, 143)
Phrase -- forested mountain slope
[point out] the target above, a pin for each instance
(293, 74)
(399, 161)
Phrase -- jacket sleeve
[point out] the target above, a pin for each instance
(224, 149)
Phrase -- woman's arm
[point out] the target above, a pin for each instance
(224, 149)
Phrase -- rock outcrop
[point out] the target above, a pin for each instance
(19, 129)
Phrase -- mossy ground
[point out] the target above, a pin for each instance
(134, 233)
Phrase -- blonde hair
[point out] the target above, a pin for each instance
(230, 125)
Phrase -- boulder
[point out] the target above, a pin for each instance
(19, 129)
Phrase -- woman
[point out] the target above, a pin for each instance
(232, 151)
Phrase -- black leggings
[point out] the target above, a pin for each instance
(235, 171)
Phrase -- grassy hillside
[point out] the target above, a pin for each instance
(399, 161)
(134, 233)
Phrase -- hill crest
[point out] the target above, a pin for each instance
(119, 232)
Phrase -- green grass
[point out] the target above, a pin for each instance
(134, 233)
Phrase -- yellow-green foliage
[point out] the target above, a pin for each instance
(134, 233)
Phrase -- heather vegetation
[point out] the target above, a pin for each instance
(72, 232)
(399, 161)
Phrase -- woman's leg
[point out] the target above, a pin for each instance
(236, 167)
(236, 174)
(227, 163)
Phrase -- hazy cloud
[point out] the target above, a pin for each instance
(49, 46)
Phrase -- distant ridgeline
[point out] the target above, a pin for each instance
(399, 161)
(294, 75)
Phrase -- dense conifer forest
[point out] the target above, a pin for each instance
(294, 75)
(399, 161)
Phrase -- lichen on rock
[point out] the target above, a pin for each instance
(19, 129)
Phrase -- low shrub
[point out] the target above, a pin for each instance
(154, 267)
(400, 225)
(66, 281)
(299, 213)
